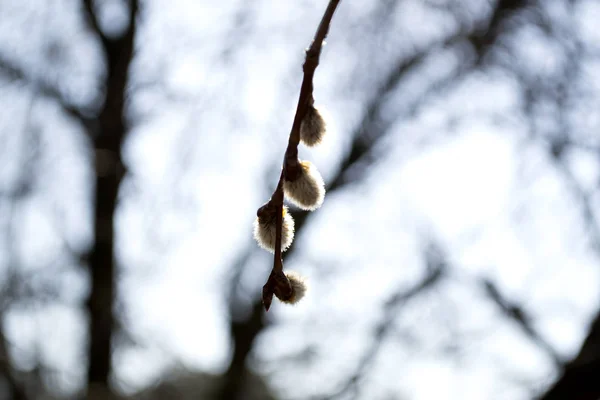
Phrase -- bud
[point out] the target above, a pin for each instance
(299, 288)
(307, 191)
(313, 127)
(265, 228)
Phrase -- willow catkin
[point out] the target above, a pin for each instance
(307, 191)
(313, 127)
(299, 287)
(265, 228)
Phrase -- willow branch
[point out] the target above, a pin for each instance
(277, 280)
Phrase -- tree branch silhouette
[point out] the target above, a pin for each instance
(277, 282)
(381, 330)
(518, 315)
(14, 72)
(109, 174)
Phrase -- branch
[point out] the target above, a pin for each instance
(585, 200)
(373, 126)
(481, 41)
(16, 283)
(373, 123)
(94, 23)
(16, 73)
(520, 317)
(504, 10)
(367, 134)
(278, 283)
(578, 379)
(383, 327)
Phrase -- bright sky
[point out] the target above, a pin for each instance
(488, 196)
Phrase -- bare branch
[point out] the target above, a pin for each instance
(522, 319)
(278, 283)
(94, 23)
(584, 199)
(372, 129)
(14, 72)
(383, 327)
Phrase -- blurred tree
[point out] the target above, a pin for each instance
(81, 80)
(108, 139)
(106, 126)
(485, 44)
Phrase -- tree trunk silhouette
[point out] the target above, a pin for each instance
(109, 173)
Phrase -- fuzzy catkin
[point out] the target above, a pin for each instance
(299, 287)
(312, 128)
(308, 190)
(265, 228)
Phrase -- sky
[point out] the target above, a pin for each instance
(209, 123)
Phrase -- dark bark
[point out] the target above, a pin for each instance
(243, 332)
(483, 40)
(17, 389)
(580, 379)
(109, 173)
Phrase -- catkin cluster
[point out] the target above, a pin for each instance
(303, 187)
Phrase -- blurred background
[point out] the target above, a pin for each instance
(456, 256)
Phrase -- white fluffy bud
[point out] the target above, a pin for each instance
(299, 287)
(313, 127)
(265, 227)
(308, 190)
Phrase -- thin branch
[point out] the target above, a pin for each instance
(310, 65)
(16, 283)
(522, 319)
(14, 72)
(383, 327)
(278, 282)
(583, 197)
(94, 23)
(481, 42)
(376, 125)
(578, 378)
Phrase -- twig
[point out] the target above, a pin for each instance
(522, 319)
(277, 282)
(39, 86)
(95, 24)
(383, 328)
